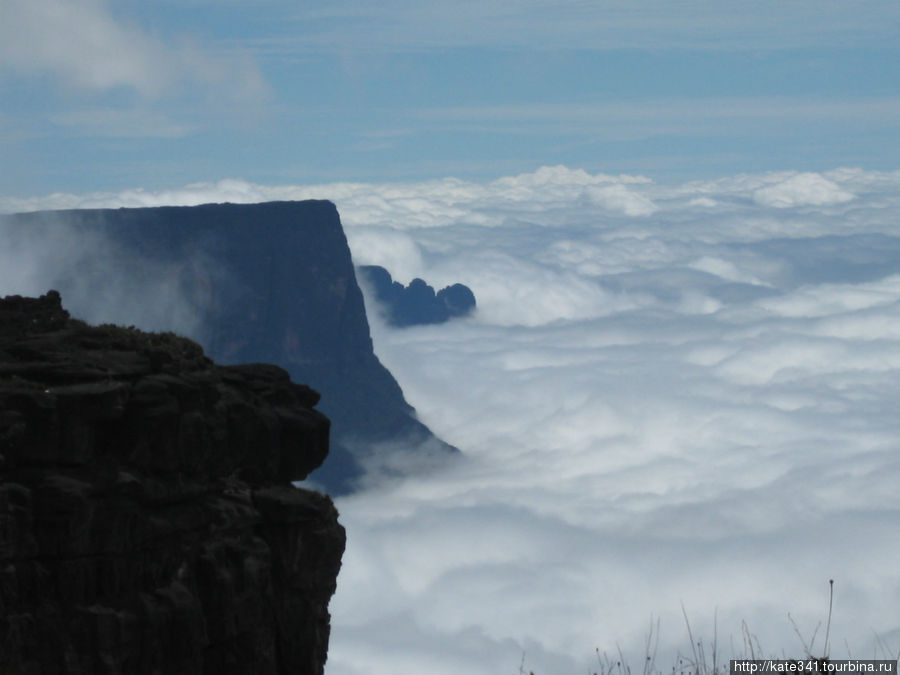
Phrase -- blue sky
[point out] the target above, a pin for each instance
(99, 95)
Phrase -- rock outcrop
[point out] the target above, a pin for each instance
(417, 303)
(148, 524)
(270, 283)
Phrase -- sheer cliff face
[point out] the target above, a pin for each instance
(147, 521)
(267, 283)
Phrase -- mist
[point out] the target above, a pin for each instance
(100, 279)
(673, 399)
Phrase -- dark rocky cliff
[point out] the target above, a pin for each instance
(147, 520)
(267, 283)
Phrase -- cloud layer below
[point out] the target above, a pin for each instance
(671, 396)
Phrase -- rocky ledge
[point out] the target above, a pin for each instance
(147, 519)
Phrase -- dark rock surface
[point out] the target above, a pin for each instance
(147, 520)
(269, 283)
(416, 303)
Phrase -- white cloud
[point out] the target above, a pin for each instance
(620, 198)
(87, 47)
(636, 451)
(803, 189)
(83, 43)
(390, 248)
(725, 269)
(691, 406)
(832, 300)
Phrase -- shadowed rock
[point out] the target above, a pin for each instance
(147, 520)
(269, 283)
(416, 303)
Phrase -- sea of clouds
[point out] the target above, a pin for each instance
(674, 400)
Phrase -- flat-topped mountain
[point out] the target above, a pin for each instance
(269, 283)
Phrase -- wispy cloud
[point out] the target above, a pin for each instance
(693, 116)
(402, 25)
(87, 47)
(83, 44)
(126, 123)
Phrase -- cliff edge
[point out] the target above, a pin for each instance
(270, 283)
(147, 520)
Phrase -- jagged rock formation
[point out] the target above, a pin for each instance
(269, 283)
(147, 520)
(416, 303)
